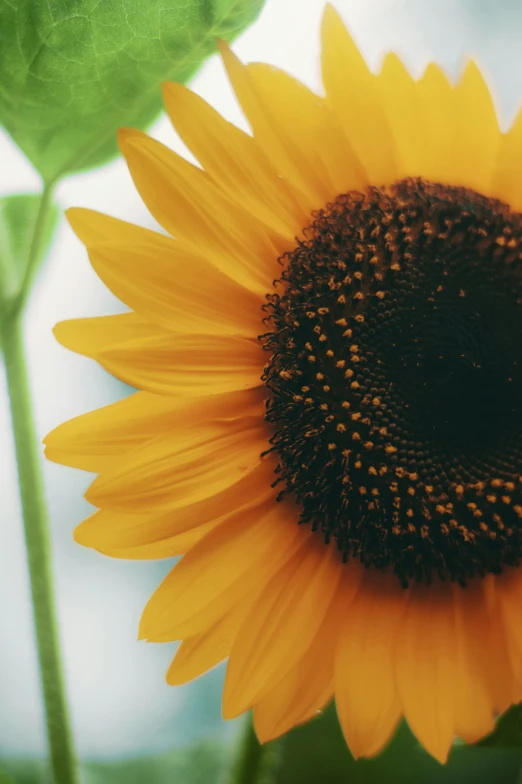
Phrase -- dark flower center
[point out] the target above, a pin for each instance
(395, 379)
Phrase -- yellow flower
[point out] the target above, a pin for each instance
(371, 393)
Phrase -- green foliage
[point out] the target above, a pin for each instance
(73, 72)
(24, 771)
(317, 754)
(20, 255)
(508, 731)
(202, 763)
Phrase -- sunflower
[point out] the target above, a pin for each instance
(328, 424)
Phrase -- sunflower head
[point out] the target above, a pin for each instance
(395, 379)
(328, 421)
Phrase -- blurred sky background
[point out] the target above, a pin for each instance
(119, 698)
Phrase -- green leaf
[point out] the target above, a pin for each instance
(23, 243)
(508, 730)
(73, 72)
(316, 753)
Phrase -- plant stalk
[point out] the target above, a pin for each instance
(37, 537)
(256, 764)
(36, 248)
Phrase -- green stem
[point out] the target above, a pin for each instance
(250, 752)
(63, 758)
(255, 764)
(35, 249)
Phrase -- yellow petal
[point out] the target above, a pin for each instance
(474, 714)
(117, 428)
(424, 665)
(508, 637)
(111, 430)
(284, 621)
(128, 532)
(238, 557)
(459, 129)
(186, 202)
(93, 227)
(353, 93)
(477, 134)
(484, 619)
(234, 161)
(181, 468)
(304, 692)
(507, 180)
(176, 289)
(136, 537)
(309, 686)
(200, 653)
(280, 145)
(435, 107)
(188, 365)
(400, 99)
(365, 692)
(148, 357)
(320, 142)
(90, 336)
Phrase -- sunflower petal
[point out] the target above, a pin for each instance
(282, 149)
(176, 289)
(111, 430)
(119, 427)
(320, 143)
(507, 180)
(108, 531)
(435, 107)
(137, 537)
(400, 99)
(459, 129)
(186, 202)
(353, 93)
(234, 161)
(309, 686)
(153, 359)
(238, 557)
(93, 227)
(505, 640)
(171, 473)
(477, 134)
(367, 703)
(188, 365)
(474, 714)
(90, 336)
(424, 667)
(298, 698)
(283, 623)
(200, 653)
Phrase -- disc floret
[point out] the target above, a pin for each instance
(395, 377)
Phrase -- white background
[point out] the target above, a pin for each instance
(120, 701)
